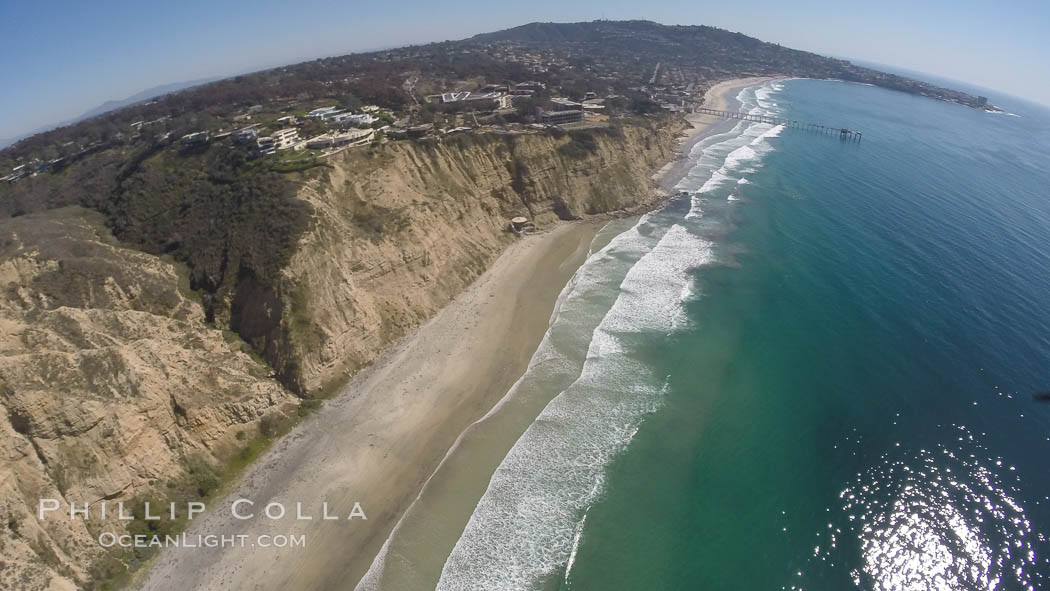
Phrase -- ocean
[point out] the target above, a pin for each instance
(812, 369)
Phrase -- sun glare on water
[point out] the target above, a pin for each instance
(943, 519)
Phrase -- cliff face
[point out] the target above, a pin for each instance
(113, 386)
(400, 230)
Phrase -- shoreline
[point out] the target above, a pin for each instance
(381, 438)
(716, 97)
(389, 430)
(414, 553)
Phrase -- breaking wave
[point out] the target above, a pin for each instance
(527, 527)
(527, 524)
(723, 159)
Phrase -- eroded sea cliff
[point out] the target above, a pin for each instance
(119, 383)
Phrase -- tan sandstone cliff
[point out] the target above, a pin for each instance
(112, 386)
(401, 230)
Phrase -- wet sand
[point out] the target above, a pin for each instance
(379, 440)
(413, 556)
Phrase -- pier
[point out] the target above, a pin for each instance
(843, 132)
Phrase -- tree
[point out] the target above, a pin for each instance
(350, 102)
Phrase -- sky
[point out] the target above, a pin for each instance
(60, 58)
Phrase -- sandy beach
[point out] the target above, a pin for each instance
(385, 434)
(378, 441)
(717, 97)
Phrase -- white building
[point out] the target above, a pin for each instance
(332, 115)
(321, 112)
(285, 138)
(199, 137)
(361, 119)
(246, 134)
(560, 117)
(354, 137)
(455, 97)
(266, 145)
(319, 142)
(565, 103)
(279, 140)
(530, 85)
(337, 117)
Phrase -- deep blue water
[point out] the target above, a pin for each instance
(851, 406)
(814, 370)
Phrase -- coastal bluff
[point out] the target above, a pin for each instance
(118, 383)
(398, 232)
(112, 388)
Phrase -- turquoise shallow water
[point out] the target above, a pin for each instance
(815, 371)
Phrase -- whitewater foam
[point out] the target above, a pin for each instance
(750, 154)
(555, 359)
(526, 524)
(723, 158)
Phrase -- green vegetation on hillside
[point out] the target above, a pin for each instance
(229, 218)
(171, 179)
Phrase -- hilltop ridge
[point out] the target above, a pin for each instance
(703, 51)
(627, 51)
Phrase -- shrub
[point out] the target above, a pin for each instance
(270, 426)
(203, 478)
(581, 144)
(309, 405)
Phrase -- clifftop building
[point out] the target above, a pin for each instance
(286, 138)
(565, 104)
(559, 117)
(321, 112)
(455, 97)
(280, 140)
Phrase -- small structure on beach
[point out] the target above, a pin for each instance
(521, 225)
